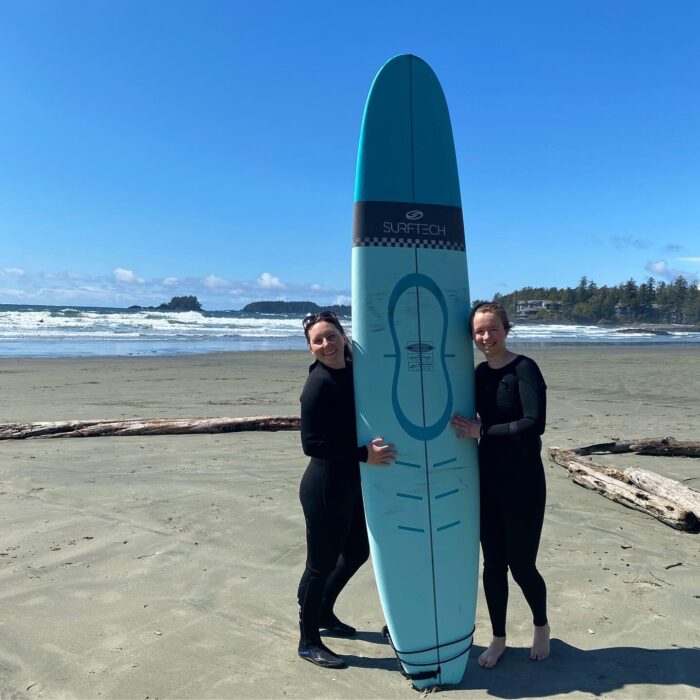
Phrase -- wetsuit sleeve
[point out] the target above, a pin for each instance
(320, 437)
(533, 399)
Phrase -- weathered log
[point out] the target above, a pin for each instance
(157, 426)
(670, 489)
(566, 457)
(620, 486)
(654, 483)
(659, 447)
(632, 496)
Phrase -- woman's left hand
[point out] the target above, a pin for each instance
(466, 427)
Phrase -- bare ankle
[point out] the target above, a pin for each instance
(489, 658)
(540, 643)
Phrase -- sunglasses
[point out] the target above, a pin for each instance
(311, 319)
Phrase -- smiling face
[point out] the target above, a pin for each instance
(489, 334)
(327, 344)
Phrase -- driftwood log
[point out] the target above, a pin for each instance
(157, 426)
(664, 499)
(665, 488)
(659, 447)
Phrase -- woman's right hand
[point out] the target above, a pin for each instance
(380, 455)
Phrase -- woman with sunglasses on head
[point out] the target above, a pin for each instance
(511, 402)
(330, 494)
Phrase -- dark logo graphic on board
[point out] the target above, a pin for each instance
(420, 347)
(408, 225)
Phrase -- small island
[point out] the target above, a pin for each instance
(186, 303)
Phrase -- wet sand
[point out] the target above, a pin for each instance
(166, 567)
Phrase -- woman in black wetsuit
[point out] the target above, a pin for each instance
(511, 403)
(336, 534)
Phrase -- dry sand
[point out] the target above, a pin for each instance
(166, 567)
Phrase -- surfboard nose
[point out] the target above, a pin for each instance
(393, 165)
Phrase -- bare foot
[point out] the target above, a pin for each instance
(491, 656)
(540, 643)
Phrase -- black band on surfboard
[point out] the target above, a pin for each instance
(426, 675)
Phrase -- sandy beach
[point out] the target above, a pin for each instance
(167, 567)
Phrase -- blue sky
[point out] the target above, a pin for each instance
(149, 149)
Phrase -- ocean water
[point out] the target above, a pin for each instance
(52, 331)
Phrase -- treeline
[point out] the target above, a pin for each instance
(649, 302)
(293, 307)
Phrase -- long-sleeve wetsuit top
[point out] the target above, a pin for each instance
(328, 431)
(512, 404)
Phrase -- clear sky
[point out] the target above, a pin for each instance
(154, 148)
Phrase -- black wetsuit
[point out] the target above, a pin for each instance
(511, 402)
(336, 534)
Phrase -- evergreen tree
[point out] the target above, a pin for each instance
(582, 290)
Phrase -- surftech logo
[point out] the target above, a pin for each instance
(414, 215)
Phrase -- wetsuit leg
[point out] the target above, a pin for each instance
(329, 514)
(354, 554)
(493, 547)
(524, 516)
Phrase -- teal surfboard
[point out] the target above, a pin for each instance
(414, 368)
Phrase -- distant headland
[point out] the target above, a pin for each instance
(293, 307)
(651, 302)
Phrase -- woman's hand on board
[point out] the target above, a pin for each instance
(466, 427)
(380, 455)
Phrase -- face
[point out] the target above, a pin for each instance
(489, 333)
(327, 344)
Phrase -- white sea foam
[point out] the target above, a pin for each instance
(84, 331)
(38, 324)
(561, 333)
